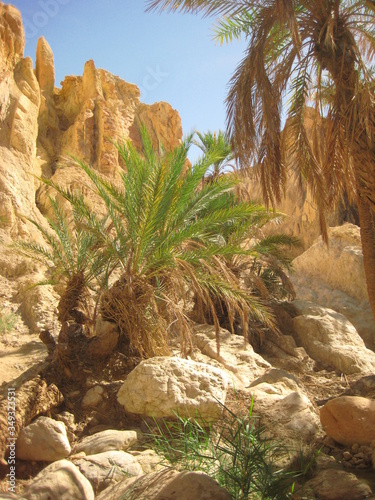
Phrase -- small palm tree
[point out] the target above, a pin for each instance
(297, 47)
(170, 241)
(220, 143)
(74, 262)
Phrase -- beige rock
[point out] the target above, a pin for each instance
(12, 36)
(93, 397)
(331, 484)
(106, 441)
(44, 66)
(105, 469)
(60, 480)
(340, 265)
(149, 460)
(38, 304)
(163, 386)
(167, 485)
(334, 277)
(236, 358)
(43, 440)
(328, 337)
(283, 406)
(349, 420)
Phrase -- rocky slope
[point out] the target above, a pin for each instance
(305, 381)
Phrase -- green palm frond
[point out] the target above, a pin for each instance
(168, 235)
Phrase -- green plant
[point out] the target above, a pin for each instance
(7, 321)
(220, 143)
(235, 452)
(169, 240)
(320, 54)
(73, 258)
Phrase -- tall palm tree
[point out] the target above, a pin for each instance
(218, 142)
(306, 52)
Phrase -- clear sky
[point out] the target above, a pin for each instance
(171, 57)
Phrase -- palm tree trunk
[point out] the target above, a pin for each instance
(367, 225)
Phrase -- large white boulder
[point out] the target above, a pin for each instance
(282, 404)
(330, 338)
(163, 386)
(43, 440)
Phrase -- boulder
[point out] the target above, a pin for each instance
(332, 484)
(149, 460)
(167, 484)
(163, 386)
(282, 404)
(43, 440)
(349, 420)
(60, 480)
(105, 469)
(329, 338)
(106, 441)
(333, 276)
(236, 358)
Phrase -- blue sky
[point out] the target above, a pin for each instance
(171, 57)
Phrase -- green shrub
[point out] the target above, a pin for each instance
(235, 452)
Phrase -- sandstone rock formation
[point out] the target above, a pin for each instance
(41, 125)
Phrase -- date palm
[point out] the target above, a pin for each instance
(168, 241)
(218, 142)
(304, 52)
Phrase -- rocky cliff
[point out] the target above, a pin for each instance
(41, 127)
(40, 124)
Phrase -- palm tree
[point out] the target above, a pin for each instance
(170, 242)
(312, 52)
(216, 142)
(74, 262)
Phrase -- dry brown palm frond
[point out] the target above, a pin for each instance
(133, 308)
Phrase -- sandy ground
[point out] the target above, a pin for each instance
(16, 360)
